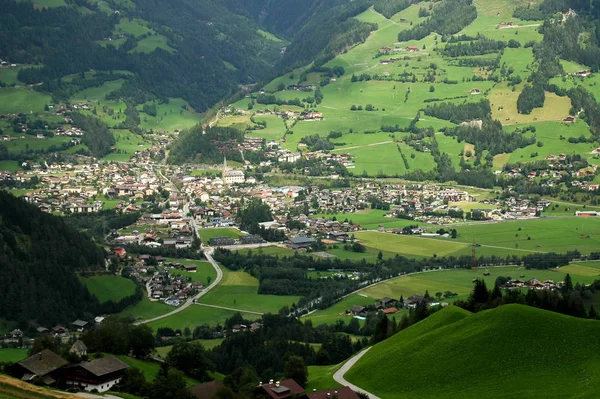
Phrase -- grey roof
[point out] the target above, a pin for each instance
(79, 346)
(302, 240)
(103, 366)
(80, 323)
(43, 362)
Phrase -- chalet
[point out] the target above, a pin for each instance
(43, 367)
(587, 213)
(412, 49)
(356, 309)
(475, 91)
(339, 236)
(276, 390)
(99, 374)
(583, 73)
(569, 119)
(190, 268)
(385, 50)
(80, 325)
(389, 311)
(385, 301)
(78, 349)
(339, 393)
(411, 301)
(300, 242)
(205, 391)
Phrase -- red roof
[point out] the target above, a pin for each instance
(390, 310)
(342, 393)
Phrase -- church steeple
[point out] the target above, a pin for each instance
(224, 163)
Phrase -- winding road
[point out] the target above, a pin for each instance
(339, 375)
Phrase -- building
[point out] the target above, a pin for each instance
(78, 349)
(300, 242)
(99, 374)
(587, 213)
(231, 176)
(251, 239)
(276, 390)
(43, 366)
(190, 268)
(412, 48)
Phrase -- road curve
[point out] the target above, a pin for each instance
(191, 300)
(339, 375)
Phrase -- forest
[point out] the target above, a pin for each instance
(97, 136)
(194, 146)
(457, 113)
(37, 266)
(447, 18)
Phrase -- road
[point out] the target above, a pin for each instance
(339, 375)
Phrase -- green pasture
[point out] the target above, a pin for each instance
(269, 35)
(146, 309)
(176, 115)
(208, 344)
(109, 288)
(33, 143)
(321, 377)
(369, 219)
(239, 290)
(197, 315)
(97, 93)
(127, 144)
(203, 272)
(150, 43)
(208, 233)
(22, 100)
(9, 76)
(149, 369)
(11, 166)
(135, 27)
(12, 355)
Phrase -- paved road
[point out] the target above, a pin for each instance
(339, 375)
(190, 301)
(232, 309)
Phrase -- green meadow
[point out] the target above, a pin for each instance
(12, 355)
(204, 270)
(22, 100)
(208, 233)
(175, 115)
(109, 288)
(197, 315)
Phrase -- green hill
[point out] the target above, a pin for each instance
(511, 351)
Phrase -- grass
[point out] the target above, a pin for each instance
(145, 309)
(175, 115)
(127, 143)
(321, 377)
(239, 290)
(11, 388)
(11, 166)
(207, 234)
(273, 251)
(476, 347)
(152, 43)
(269, 35)
(22, 100)
(12, 355)
(149, 369)
(369, 219)
(197, 316)
(203, 273)
(109, 288)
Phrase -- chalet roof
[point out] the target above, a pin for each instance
(286, 389)
(342, 393)
(357, 308)
(206, 390)
(302, 240)
(80, 323)
(43, 362)
(103, 366)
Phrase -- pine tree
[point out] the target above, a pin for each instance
(592, 314)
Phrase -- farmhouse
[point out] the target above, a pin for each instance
(357, 309)
(412, 49)
(190, 268)
(569, 119)
(99, 374)
(475, 91)
(583, 73)
(42, 366)
(390, 311)
(587, 213)
(78, 348)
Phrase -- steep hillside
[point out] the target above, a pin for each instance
(511, 351)
(38, 256)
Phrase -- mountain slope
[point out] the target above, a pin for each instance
(510, 351)
(38, 256)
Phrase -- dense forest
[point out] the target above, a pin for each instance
(97, 136)
(39, 256)
(194, 146)
(447, 18)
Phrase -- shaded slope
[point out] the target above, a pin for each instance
(511, 351)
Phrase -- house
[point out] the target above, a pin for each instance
(43, 366)
(390, 311)
(300, 242)
(411, 301)
(206, 390)
(356, 309)
(190, 268)
(80, 325)
(339, 393)
(99, 374)
(475, 91)
(339, 236)
(78, 348)
(412, 48)
(284, 389)
(569, 119)
(385, 301)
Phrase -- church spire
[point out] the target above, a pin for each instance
(224, 163)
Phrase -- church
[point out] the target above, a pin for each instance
(231, 176)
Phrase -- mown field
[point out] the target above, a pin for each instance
(475, 347)
(12, 355)
(109, 288)
(208, 233)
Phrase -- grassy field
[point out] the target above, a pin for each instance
(197, 316)
(321, 377)
(369, 219)
(150, 43)
(239, 290)
(145, 309)
(11, 388)
(207, 234)
(109, 288)
(176, 115)
(127, 144)
(203, 273)
(11, 166)
(12, 354)
(475, 347)
(458, 281)
(149, 369)
(22, 100)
